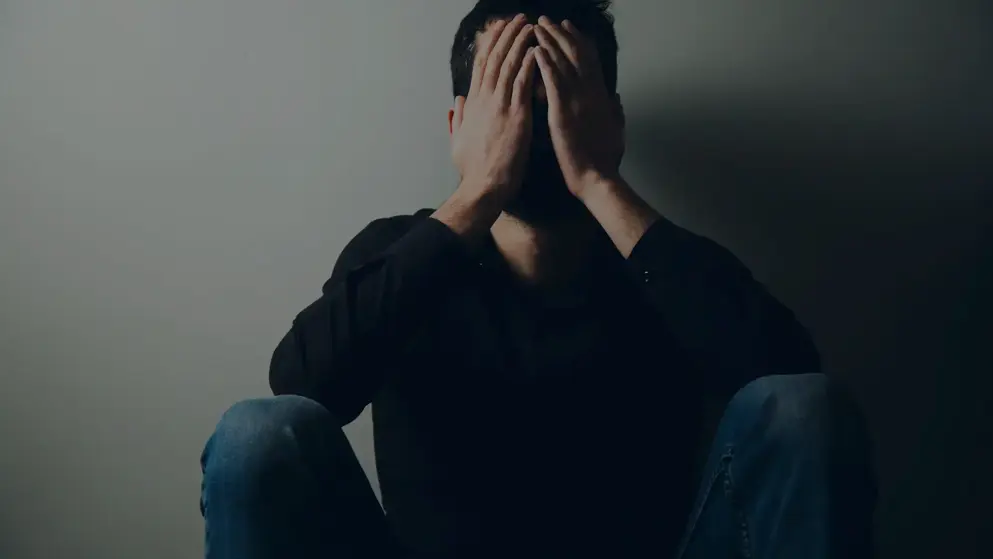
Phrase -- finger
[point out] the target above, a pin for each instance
(524, 82)
(549, 76)
(565, 42)
(459, 111)
(589, 59)
(515, 58)
(553, 53)
(575, 35)
(577, 40)
(482, 56)
(499, 53)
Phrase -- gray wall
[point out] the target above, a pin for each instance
(178, 176)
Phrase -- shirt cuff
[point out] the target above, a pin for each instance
(659, 252)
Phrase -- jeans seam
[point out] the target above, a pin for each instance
(719, 470)
(742, 521)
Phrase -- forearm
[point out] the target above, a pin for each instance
(727, 321)
(622, 214)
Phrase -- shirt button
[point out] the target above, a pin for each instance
(645, 275)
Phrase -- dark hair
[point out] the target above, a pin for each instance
(591, 17)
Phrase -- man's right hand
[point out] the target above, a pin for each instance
(491, 128)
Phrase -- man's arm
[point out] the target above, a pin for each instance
(390, 276)
(727, 320)
(730, 325)
(387, 278)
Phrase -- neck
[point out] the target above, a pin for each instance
(544, 255)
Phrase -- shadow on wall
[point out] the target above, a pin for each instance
(878, 232)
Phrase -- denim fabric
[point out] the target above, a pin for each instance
(788, 476)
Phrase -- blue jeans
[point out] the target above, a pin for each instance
(788, 476)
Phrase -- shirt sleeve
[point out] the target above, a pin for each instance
(387, 277)
(729, 324)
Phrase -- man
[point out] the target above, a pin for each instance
(539, 351)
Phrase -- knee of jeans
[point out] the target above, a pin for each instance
(795, 407)
(253, 434)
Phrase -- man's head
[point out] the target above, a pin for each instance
(543, 196)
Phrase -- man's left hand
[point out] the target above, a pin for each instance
(585, 120)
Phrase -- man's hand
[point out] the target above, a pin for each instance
(491, 130)
(586, 123)
(491, 127)
(587, 128)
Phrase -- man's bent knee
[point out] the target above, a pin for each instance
(791, 406)
(254, 435)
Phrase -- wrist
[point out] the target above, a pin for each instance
(622, 213)
(597, 185)
(470, 211)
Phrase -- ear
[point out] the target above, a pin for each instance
(619, 110)
(619, 115)
(455, 115)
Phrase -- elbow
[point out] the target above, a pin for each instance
(806, 359)
(286, 368)
(796, 353)
(810, 357)
(345, 412)
(289, 375)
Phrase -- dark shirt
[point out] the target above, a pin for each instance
(506, 425)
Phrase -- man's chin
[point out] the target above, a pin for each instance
(547, 209)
